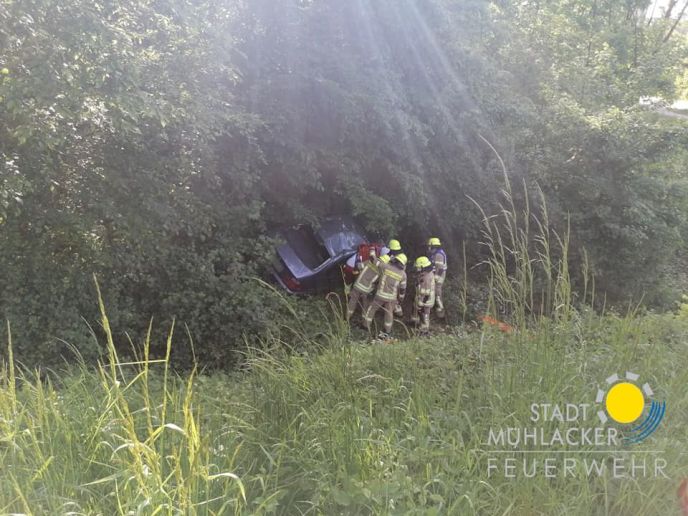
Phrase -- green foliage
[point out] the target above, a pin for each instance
(683, 308)
(621, 180)
(612, 169)
(156, 144)
(376, 430)
(111, 165)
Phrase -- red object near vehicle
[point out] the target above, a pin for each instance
(351, 269)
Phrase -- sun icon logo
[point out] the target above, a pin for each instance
(625, 402)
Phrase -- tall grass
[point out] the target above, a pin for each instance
(118, 440)
(527, 260)
(527, 264)
(351, 428)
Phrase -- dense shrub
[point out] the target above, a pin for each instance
(155, 144)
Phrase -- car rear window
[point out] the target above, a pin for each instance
(306, 246)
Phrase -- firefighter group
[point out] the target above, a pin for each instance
(381, 283)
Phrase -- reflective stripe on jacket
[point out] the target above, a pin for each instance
(392, 283)
(365, 281)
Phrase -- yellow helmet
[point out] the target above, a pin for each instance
(384, 258)
(422, 262)
(434, 242)
(402, 259)
(394, 245)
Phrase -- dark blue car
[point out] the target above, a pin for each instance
(310, 258)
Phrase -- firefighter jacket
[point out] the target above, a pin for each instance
(365, 281)
(425, 289)
(439, 260)
(392, 285)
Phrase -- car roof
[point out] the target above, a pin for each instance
(340, 235)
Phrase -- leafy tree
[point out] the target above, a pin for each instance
(158, 144)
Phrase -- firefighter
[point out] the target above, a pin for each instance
(438, 258)
(391, 290)
(425, 293)
(395, 249)
(365, 284)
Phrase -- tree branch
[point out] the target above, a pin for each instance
(670, 9)
(678, 20)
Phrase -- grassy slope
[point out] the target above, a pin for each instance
(355, 429)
